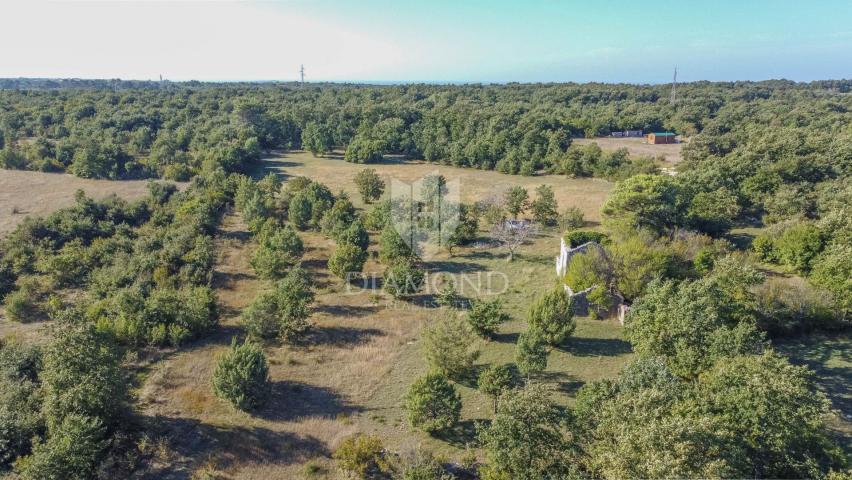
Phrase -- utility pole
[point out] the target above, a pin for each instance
(302, 73)
(674, 87)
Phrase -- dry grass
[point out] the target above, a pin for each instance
(637, 147)
(586, 194)
(25, 193)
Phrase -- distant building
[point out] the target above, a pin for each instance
(661, 138)
(627, 133)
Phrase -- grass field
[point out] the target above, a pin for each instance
(25, 193)
(637, 147)
(351, 372)
(332, 170)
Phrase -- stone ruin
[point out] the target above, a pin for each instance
(580, 301)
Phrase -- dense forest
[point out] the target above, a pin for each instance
(706, 396)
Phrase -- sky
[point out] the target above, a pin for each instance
(429, 41)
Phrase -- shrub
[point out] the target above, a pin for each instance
(336, 220)
(347, 258)
(25, 304)
(82, 375)
(370, 185)
(379, 216)
(495, 380)
(402, 279)
(356, 235)
(242, 376)
(799, 245)
(544, 206)
(552, 315)
(432, 403)
(571, 219)
(579, 237)
(531, 352)
(73, 451)
(362, 456)
(282, 312)
(450, 346)
(485, 317)
(279, 249)
(20, 400)
(392, 247)
(447, 296)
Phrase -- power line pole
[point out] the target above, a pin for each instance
(302, 73)
(674, 86)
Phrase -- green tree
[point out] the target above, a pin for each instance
(364, 150)
(242, 376)
(544, 207)
(281, 313)
(552, 314)
(485, 317)
(432, 403)
(450, 346)
(82, 375)
(317, 139)
(692, 324)
(299, 211)
(370, 185)
(833, 271)
(531, 352)
(347, 258)
(392, 247)
(526, 439)
(653, 202)
(279, 249)
(774, 413)
(362, 456)
(799, 246)
(713, 212)
(73, 451)
(341, 216)
(517, 201)
(402, 279)
(571, 218)
(495, 380)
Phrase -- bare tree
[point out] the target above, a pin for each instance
(511, 234)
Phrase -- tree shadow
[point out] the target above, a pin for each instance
(228, 280)
(564, 382)
(463, 433)
(505, 337)
(339, 336)
(450, 266)
(241, 236)
(196, 442)
(595, 347)
(349, 311)
(290, 400)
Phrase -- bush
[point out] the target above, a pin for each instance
(242, 376)
(347, 258)
(356, 235)
(552, 315)
(799, 246)
(82, 375)
(281, 313)
(531, 352)
(402, 279)
(279, 249)
(450, 346)
(336, 220)
(544, 206)
(20, 400)
(432, 403)
(392, 247)
(370, 185)
(485, 317)
(579, 237)
(362, 456)
(571, 219)
(73, 451)
(495, 380)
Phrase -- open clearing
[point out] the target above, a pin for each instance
(351, 372)
(637, 147)
(39, 193)
(588, 194)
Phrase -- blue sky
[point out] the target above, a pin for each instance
(439, 41)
